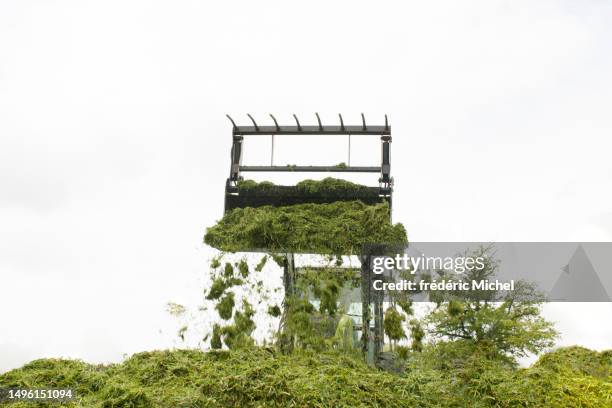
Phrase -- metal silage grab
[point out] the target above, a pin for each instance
(371, 301)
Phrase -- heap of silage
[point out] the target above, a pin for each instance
(253, 194)
(339, 218)
(338, 228)
(328, 187)
(261, 377)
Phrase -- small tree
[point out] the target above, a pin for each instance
(505, 327)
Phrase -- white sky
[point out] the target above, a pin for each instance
(114, 147)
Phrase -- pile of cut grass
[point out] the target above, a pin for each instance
(262, 377)
(328, 190)
(339, 228)
(329, 187)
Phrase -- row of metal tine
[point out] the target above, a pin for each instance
(299, 126)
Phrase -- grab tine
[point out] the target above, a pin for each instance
(319, 120)
(298, 123)
(232, 120)
(253, 120)
(275, 122)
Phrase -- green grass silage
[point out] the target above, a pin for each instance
(261, 377)
(339, 228)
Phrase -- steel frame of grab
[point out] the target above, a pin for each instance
(239, 132)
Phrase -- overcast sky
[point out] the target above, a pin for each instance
(114, 148)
